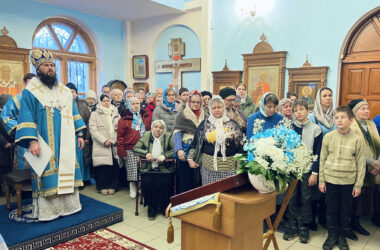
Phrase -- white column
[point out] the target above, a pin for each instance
(128, 53)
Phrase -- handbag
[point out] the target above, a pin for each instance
(198, 150)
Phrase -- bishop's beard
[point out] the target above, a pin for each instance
(48, 80)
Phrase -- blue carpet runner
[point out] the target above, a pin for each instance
(40, 235)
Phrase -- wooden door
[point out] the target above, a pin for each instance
(360, 71)
(361, 80)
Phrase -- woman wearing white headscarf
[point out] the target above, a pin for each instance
(103, 126)
(222, 140)
(156, 175)
(323, 112)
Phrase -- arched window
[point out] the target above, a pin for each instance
(73, 51)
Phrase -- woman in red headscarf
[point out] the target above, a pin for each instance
(157, 99)
(186, 123)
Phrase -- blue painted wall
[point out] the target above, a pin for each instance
(190, 80)
(313, 27)
(22, 17)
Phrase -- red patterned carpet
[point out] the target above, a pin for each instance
(102, 239)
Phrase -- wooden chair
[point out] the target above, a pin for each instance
(138, 183)
(18, 179)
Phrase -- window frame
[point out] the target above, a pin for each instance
(65, 56)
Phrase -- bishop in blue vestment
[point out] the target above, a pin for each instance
(48, 110)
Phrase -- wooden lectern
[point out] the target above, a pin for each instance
(243, 211)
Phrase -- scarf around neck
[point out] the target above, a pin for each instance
(109, 115)
(157, 146)
(191, 94)
(262, 105)
(137, 123)
(170, 105)
(243, 98)
(327, 119)
(220, 134)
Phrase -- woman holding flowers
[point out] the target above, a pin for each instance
(266, 117)
(222, 140)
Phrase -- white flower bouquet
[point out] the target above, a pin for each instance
(278, 154)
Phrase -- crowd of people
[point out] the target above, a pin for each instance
(125, 130)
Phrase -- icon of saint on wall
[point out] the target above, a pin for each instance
(261, 88)
(306, 95)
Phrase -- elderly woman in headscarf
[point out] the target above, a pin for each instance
(323, 116)
(229, 96)
(128, 93)
(223, 139)
(246, 102)
(149, 97)
(186, 123)
(366, 129)
(167, 109)
(117, 97)
(156, 100)
(130, 128)
(156, 175)
(267, 113)
(91, 100)
(103, 126)
(285, 108)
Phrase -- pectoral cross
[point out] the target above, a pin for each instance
(61, 88)
(68, 117)
(37, 87)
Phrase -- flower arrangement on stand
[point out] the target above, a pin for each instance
(274, 157)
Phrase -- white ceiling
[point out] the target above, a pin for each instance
(118, 9)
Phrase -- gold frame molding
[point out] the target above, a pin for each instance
(10, 51)
(307, 73)
(263, 55)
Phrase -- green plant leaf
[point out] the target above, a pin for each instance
(276, 185)
(263, 171)
(282, 183)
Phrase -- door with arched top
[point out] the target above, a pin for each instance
(360, 71)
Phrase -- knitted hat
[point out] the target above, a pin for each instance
(356, 104)
(91, 94)
(227, 91)
(40, 56)
(72, 86)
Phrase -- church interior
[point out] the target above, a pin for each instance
(296, 46)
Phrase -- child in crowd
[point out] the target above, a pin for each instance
(341, 176)
(311, 135)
